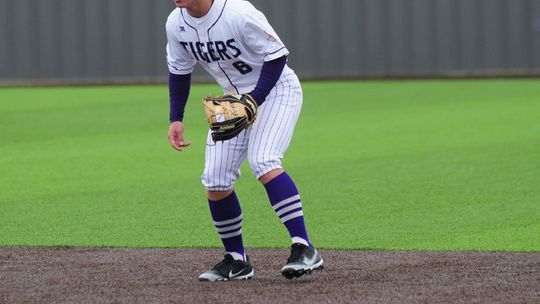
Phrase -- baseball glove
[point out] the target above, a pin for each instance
(228, 115)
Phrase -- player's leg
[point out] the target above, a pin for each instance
(286, 202)
(222, 168)
(269, 139)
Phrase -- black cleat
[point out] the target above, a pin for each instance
(303, 259)
(229, 269)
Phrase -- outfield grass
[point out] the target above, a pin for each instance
(429, 165)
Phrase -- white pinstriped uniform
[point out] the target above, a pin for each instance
(264, 144)
(231, 42)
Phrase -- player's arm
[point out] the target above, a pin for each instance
(270, 73)
(179, 86)
(180, 65)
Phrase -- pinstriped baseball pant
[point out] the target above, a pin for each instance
(263, 144)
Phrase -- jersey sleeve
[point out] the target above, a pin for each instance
(179, 61)
(259, 35)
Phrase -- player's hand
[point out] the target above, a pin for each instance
(176, 136)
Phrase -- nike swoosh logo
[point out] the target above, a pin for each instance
(232, 275)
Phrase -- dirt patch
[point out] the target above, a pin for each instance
(47, 275)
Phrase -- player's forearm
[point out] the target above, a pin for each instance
(179, 86)
(270, 73)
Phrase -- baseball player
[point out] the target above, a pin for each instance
(236, 45)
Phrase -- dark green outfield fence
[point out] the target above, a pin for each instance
(75, 41)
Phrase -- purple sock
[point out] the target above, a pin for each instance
(227, 217)
(286, 202)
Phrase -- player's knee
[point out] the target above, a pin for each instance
(267, 177)
(261, 165)
(218, 195)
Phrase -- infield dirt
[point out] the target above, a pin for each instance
(80, 275)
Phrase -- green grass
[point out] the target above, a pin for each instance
(428, 165)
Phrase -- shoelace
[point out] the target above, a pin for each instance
(227, 260)
(296, 253)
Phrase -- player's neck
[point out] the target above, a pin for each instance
(200, 8)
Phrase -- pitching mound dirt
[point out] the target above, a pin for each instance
(75, 275)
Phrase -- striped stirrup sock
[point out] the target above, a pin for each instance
(286, 202)
(227, 216)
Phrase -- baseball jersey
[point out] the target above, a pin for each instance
(231, 42)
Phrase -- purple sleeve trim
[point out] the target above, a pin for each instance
(179, 86)
(270, 73)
